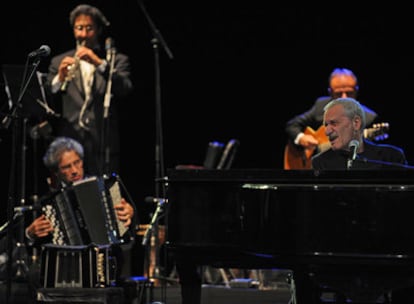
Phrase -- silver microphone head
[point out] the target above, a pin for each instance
(353, 144)
(353, 148)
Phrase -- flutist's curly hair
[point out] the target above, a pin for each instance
(84, 9)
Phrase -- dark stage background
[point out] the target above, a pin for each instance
(240, 70)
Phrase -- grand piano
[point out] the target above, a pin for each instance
(348, 231)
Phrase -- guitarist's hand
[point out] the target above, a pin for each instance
(308, 141)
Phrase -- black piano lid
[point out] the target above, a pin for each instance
(334, 213)
(353, 225)
(397, 176)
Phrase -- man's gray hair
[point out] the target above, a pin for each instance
(55, 150)
(352, 108)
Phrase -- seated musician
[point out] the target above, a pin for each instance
(344, 121)
(64, 159)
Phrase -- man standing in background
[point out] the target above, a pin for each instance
(82, 81)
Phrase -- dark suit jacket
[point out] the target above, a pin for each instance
(69, 104)
(375, 156)
(314, 118)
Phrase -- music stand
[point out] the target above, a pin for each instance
(20, 88)
(34, 103)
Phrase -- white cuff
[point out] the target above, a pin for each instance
(56, 84)
(102, 67)
(298, 137)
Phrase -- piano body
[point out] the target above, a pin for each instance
(350, 231)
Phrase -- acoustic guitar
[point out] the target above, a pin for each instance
(297, 158)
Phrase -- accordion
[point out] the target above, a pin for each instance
(84, 213)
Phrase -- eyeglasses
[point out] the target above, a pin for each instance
(348, 93)
(87, 28)
(77, 163)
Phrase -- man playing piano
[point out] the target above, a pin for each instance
(306, 220)
(344, 121)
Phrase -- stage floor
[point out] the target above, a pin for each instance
(211, 294)
(223, 295)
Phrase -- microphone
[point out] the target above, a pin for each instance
(21, 209)
(160, 203)
(109, 47)
(41, 129)
(156, 200)
(353, 148)
(43, 51)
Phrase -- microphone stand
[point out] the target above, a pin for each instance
(105, 150)
(19, 127)
(349, 163)
(159, 161)
(154, 219)
(34, 196)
